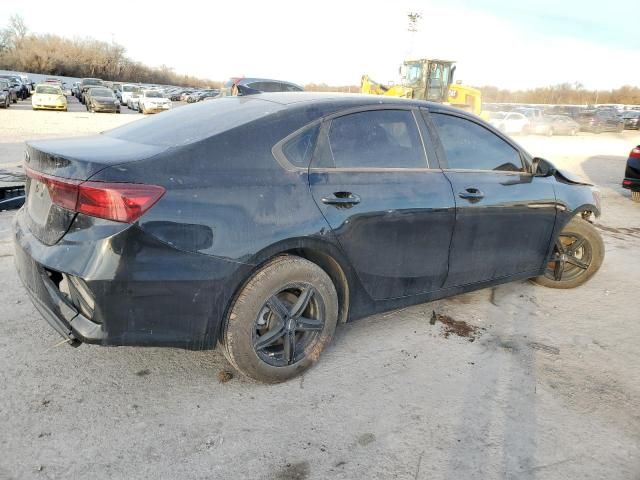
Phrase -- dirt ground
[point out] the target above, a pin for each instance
(549, 388)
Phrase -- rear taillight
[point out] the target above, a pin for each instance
(635, 153)
(121, 202)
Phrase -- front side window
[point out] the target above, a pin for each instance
(376, 139)
(468, 145)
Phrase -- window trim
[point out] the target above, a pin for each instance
(442, 156)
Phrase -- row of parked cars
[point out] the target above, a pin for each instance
(14, 88)
(524, 120)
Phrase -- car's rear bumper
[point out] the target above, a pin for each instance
(632, 184)
(145, 292)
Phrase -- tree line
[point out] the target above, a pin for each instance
(50, 54)
(564, 93)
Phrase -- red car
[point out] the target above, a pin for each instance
(632, 174)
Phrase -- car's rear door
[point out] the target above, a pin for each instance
(504, 215)
(385, 198)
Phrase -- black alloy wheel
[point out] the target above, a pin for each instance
(281, 320)
(571, 258)
(288, 324)
(577, 255)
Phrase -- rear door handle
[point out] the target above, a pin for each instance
(342, 199)
(471, 193)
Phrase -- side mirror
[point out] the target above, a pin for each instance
(542, 168)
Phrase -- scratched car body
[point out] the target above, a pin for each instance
(261, 222)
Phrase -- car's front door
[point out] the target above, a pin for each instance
(389, 205)
(504, 215)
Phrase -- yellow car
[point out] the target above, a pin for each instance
(48, 97)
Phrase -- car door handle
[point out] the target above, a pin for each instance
(342, 199)
(472, 194)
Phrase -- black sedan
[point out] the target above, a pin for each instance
(261, 222)
(632, 174)
(631, 120)
(599, 121)
(101, 99)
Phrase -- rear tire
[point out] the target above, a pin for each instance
(577, 256)
(281, 321)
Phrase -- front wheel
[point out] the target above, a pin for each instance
(281, 321)
(577, 255)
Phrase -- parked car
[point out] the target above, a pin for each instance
(632, 174)
(253, 222)
(153, 101)
(48, 96)
(631, 119)
(75, 89)
(20, 90)
(208, 94)
(509, 122)
(599, 121)
(562, 125)
(247, 86)
(133, 100)
(177, 95)
(87, 83)
(101, 99)
(125, 92)
(185, 95)
(5, 93)
(27, 82)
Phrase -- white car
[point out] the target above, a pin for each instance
(125, 92)
(509, 122)
(152, 101)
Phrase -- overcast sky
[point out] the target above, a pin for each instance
(505, 43)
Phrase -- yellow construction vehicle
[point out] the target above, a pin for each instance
(428, 79)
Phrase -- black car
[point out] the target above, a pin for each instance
(250, 86)
(101, 99)
(631, 120)
(86, 84)
(261, 222)
(599, 121)
(632, 174)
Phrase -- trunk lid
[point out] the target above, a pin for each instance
(72, 161)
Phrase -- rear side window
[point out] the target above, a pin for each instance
(376, 139)
(299, 150)
(183, 126)
(470, 146)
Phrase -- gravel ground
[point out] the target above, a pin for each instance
(548, 389)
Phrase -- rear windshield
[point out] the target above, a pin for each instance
(196, 122)
(91, 81)
(46, 89)
(129, 88)
(153, 94)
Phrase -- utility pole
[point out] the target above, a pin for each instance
(413, 29)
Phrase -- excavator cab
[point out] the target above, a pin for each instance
(428, 79)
